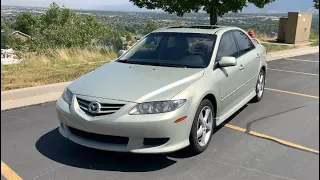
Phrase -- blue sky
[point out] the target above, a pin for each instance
(67, 3)
(277, 6)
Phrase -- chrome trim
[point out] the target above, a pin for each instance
(104, 108)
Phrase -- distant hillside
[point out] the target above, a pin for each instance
(128, 7)
(279, 6)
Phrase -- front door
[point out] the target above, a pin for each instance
(229, 80)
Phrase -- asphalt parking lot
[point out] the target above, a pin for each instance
(277, 138)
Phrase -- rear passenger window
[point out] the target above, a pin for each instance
(227, 46)
(245, 44)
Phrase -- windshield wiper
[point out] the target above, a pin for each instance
(143, 63)
(180, 65)
(129, 62)
(173, 65)
(158, 64)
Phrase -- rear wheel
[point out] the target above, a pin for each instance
(202, 127)
(260, 86)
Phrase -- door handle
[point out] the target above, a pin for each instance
(258, 56)
(241, 67)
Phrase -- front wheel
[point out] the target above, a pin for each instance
(260, 86)
(202, 127)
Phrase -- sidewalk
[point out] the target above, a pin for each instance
(32, 95)
(41, 94)
(291, 52)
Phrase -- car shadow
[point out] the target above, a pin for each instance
(59, 149)
(185, 154)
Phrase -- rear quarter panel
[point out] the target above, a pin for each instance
(263, 55)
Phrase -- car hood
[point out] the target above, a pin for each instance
(135, 83)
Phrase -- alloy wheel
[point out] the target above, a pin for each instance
(260, 85)
(205, 125)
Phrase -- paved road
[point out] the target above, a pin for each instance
(32, 146)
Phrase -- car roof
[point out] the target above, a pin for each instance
(203, 29)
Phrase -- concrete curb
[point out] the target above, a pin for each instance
(291, 53)
(41, 94)
(32, 95)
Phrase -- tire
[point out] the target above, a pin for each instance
(260, 86)
(198, 145)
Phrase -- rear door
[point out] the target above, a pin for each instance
(229, 80)
(248, 60)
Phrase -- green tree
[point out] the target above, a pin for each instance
(316, 4)
(214, 8)
(59, 27)
(6, 38)
(129, 37)
(25, 22)
(150, 26)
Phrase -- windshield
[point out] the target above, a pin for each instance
(188, 50)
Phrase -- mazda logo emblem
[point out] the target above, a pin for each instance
(94, 107)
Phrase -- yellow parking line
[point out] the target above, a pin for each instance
(288, 92)
(303, 60)
(272, 138)
(296, 72)
(8, 173)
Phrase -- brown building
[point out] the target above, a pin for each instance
(295, 28)
(20, 35)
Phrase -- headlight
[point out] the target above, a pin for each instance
(67, 96)
(156, 107)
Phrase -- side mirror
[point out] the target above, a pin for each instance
(227, 61)
(121, 52)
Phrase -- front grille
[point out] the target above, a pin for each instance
(106, 108)
(99, 137)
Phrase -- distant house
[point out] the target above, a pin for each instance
(18, 34)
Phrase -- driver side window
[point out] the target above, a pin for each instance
(151, 44)
(227, 46)
(149, 49)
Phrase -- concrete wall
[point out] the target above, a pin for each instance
(282, 29)
(298, 27)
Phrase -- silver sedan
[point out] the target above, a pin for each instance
(167, 92)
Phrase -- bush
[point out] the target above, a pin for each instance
(60, 28)
(6, 39)
(150, 26)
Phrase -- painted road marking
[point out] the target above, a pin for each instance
(288, 92)
(303, 60)
(296, 72)
(272, 138)
(8, 173)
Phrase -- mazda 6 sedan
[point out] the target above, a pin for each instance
(168, 92)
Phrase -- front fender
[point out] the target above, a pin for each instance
(195, 93)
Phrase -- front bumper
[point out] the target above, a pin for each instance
(136, 128)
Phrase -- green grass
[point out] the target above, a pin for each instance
(274, 47)
(314, 39)
(316, 43)
(314, 36)
(59, 66)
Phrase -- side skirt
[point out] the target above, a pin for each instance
(229, 113)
